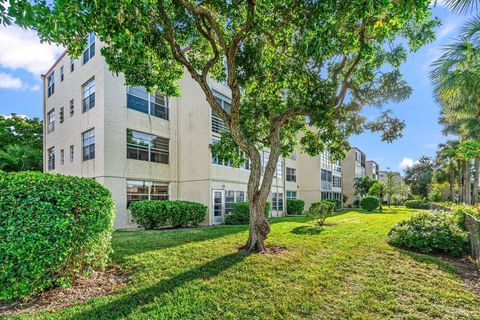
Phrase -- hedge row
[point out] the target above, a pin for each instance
(52, 227)
(240, 214)
(154, 214)
(417, 204)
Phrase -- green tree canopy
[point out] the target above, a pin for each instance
(419, 176)
(20, 130)
(287, 63)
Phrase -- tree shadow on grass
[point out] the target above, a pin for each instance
(128, 303)
(307, 230)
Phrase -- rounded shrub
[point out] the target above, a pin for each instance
(320, 211)
(295, 207)
(369, 203)
(154, 214)
(417, 204)
(240, 214)
(52, 227)
(430, 232)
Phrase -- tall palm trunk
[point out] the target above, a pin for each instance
(461, 188)
(476, 180)
(452, 182)
(467, 183)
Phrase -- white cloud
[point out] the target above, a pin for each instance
(447, 28)
(21, 49)
(406, 163)
(9, 82)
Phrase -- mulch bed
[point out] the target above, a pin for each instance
(468, 272)
(82, 289)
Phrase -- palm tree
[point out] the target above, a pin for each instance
(456, 79)
(378, 189)
(446, 161)
(362, 185)
(463, 6)
(20, 158)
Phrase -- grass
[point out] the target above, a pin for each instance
(343, 271)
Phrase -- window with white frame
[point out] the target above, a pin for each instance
(146, 190)
(232, 197)
(88, 145)
(51, 158)
(291, 174)
(90, 47)
(147, 147)
(337, 182)
(61, 115)
(326, 179)
(62, 74)
(228, 163)
(88, 95)
(217, 123)
(62, 156)
(51, 84)
(51, 121)
(153, 104)
(72, 108)
(279, 170)
(277, 201)
(72, 153)
(72, 64)
(291, 194)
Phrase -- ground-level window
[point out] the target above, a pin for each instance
(88, 144)
(146, 190)
(147, 147)
(232, 197)
(327, 195)
(277, 201)
(51, 158)
(291, 194)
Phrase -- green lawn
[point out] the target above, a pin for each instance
(345, 271)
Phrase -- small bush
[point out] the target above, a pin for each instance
(321, 210)
(52, 227)
(337, 203)
(295, 207)
(369, 203)
(154, 214)
(430, 232)
(241, 215)
(417, 204)
(356, 203)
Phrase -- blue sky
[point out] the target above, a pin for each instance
(23, 58)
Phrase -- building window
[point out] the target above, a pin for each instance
(88, 145)
(279, 170)
(291, 174)
(153, 104)
(51, 158)
(326, 179)
(62, 74)
(62, 156)
(72, 64)
(291, 194)
(146, 190)
(232, 197)
(147, 147)
(228, 163)
(51, 121)
(293, 156)
(337, 182)
(51, 84)
(90, 47)
(217, 123)
(362, 160)
(72, 108)
(277, 201)
(88, 95)
(61, 115)
(72, 153)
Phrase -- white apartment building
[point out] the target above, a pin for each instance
(321, 178)
(354, 166)
(141, 145)
(372, 169)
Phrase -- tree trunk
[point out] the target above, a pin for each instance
(452, 182)
(467, 182)
(460, 183)
(476, 180)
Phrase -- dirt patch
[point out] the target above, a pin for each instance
(468, 272)
(81, 290)
(275, 250)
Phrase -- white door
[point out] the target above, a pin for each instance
(218, 206)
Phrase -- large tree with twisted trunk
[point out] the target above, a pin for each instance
(295, 68)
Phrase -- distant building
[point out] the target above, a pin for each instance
(354, 166)
(372, 169)
(396, 176)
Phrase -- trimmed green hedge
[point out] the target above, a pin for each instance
(52, 227)
(295, 207)
(431, 232)
(154, 214)
(369, 203)
(240, 214)
(417, 204)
